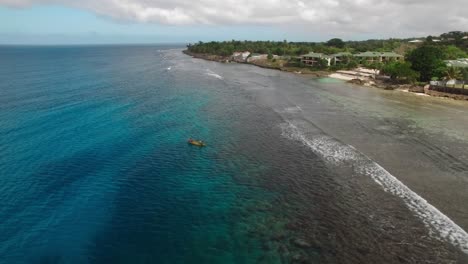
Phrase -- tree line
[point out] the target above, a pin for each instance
(426, 63)
(423, 61)
(285, 48)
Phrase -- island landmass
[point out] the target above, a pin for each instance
(434, 65)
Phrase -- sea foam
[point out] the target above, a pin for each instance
(333, 151)
(292, 109)
(213, 74)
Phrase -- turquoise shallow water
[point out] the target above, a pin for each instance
(95, 166)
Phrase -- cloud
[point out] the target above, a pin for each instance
(341, 17)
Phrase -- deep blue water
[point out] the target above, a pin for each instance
(95, 168)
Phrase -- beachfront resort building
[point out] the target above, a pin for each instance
(314, 59)
(377, 57)
(341, 58)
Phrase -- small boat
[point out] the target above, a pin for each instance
(197, 143)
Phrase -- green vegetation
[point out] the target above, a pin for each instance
(283, 48)
(336, 42)
(464, 72)
(400, 72)
(270, 56)
(452, 73)
(424, 61)
(427, 60)
(323, 64)
(456, 37)
(451, 52)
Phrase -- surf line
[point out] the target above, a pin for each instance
(336, 152)
(213, 74)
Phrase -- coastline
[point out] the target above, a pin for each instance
(361, 79)
(226, 59)
(410, 146)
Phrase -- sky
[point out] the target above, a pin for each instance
(188, 21)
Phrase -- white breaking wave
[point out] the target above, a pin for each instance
(213, 74)
(336, 152)
(293, 109)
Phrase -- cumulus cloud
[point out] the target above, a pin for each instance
(384, 17)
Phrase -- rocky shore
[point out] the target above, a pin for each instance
(209, 57)
(418, 89)
(432, 92)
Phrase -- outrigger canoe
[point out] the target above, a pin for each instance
(197, 143)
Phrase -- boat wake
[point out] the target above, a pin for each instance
(338, 153)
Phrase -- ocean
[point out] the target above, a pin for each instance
(95, 165)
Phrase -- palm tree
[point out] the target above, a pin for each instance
(452, 73)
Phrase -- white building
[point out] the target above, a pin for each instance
(458, 63)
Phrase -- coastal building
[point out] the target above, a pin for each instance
(368, 57)
(314, 59)
(379, 57)
(341, 57)
(390, 56)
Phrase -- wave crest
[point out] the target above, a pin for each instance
(339, 153)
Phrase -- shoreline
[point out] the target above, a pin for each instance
(226, 59)
(341, 75)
